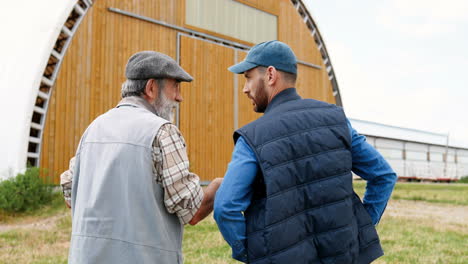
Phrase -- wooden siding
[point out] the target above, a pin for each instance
(312, 83)
(169, 11)
(294, 32)
(91, 76)
(92, 72)
(206, 114)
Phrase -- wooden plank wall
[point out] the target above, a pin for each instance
(92, 72)
(312, 83)
(169, 11)
(207, 113)
(293, 31)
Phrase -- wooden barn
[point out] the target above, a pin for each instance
(80, 49)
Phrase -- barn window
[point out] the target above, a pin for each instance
(232, 19)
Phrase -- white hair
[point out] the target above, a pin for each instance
(137, 87)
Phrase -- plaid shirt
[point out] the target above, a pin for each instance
(182, 192)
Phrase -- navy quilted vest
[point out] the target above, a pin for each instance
(304, 209)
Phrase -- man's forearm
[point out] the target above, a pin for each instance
(377, 195)
(206, 206)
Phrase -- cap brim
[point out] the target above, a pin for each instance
(185, 77)
(242, 67)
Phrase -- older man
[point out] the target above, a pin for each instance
(131, 188)
(287, 196)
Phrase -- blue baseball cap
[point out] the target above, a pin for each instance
(272, 53)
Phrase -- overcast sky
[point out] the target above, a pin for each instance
(400, 62)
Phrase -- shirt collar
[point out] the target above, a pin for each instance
(288, 94)
(136, 101)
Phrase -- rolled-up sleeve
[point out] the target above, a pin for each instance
(182, 191)
(372, 167)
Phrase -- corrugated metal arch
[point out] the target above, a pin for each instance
(312, 26)
(68, 30)
(49, 76)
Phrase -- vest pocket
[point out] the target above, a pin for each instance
(255, 216)
(362, 216)
(367, 232)
(255, 224)
(367, 235)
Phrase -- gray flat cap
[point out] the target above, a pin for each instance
(154, 65)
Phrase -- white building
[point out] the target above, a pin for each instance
(416, 154)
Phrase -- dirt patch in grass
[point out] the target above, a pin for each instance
(438, 216)
(42, 241)
(440, 193)
(32, 223)
(411, 232)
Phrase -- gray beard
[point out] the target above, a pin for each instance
(164, 107)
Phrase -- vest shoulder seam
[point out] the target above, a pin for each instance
(301, 109)
(116, 142)
(298, 132)
(266, 115)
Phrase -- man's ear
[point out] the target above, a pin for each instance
(272, 75)
(151, 89)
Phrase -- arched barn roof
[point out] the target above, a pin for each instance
(35, 40)
(29, 32)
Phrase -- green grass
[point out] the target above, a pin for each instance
(50, 260)
(404, 239)
(447, 193)
(463, 180)
(204, 244)
(41, 244)
(415, 241)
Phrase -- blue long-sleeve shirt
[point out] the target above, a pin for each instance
(235, 193)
